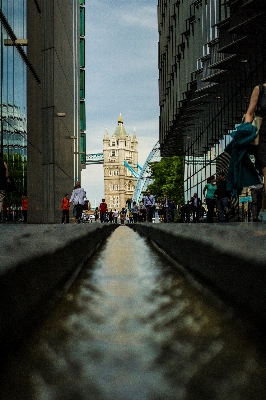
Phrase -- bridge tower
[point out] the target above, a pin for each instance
(119, 182)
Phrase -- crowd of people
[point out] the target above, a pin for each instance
(217, 200)
(145, 211)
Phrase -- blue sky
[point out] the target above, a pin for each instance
(121, 77)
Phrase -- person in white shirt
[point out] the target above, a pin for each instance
(149, 204)
(115, 216)
(78, 199)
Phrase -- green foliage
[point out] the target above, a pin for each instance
(168, 175)
(17, 168)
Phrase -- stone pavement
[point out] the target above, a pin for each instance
(38, 263)
(229, 259)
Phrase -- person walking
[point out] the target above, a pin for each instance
(96, 214)
(115, 215)
(24, 208)
(135, 212)
(149, 204)
(223, 197)
(142, 213)
(103, 211)
(122, 215)
(166, 204)
(130, 216)
(196, 205)
(172, 210)
(3, 180)
(257, 105)
(111, 216)
(65, 205)
(187, 211)
(78, 199)
(210, 198)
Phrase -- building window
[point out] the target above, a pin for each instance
(82, 84)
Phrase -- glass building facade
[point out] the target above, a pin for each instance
(13, 93)
(211, 55)
(42, 97)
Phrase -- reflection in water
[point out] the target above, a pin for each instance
(131, 327)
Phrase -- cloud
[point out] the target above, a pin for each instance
(143, 18)
(121, 76)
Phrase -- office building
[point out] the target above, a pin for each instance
(211, 55)
(43, 74)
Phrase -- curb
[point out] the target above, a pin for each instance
(37, 264)
(229, 259)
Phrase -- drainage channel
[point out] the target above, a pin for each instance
(132, 327)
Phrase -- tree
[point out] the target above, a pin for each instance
(168, 175)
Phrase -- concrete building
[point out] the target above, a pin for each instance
(120, 153)
(55, 51)
(50, 70)
(211, 55)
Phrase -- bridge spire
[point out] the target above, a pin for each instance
(106, 137)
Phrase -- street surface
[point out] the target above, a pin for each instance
(131, 327)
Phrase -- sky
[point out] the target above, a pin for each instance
(121, 77)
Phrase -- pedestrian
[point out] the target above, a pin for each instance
(149, 204)
(172, 210)
(115, 215)
(135, 212)
(256, 194)
(187, 211)
(78, 200)
(3, 181)
(196, 204)
(24, 208)
(182, 213)
(165, 203)
(142, 213)
(122, 216)
(96, 214)
(210, 198)
(160, 210)
(223, 198)
(257, 105)
(130, 216)
(111, 216)
(103, 211)
(65, 205)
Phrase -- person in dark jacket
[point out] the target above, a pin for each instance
(223, 197)
(196, 205)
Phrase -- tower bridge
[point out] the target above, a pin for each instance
(143, 177)
(96, 158)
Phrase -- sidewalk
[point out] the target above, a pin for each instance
(229, 259)
(37, 263)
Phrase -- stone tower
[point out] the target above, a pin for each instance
(119, 182)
